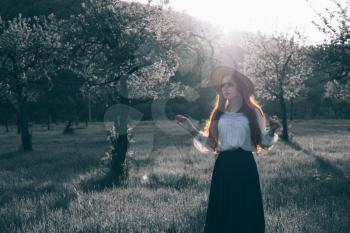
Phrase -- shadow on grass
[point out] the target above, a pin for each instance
(10, 155)
(42, 176)
(175, 181)
(329, 189)
(103, 182)
(322, 163)
(56, 196)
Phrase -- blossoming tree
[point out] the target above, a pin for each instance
(28, 57)
(279, 67)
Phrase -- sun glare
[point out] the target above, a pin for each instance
(256, 15)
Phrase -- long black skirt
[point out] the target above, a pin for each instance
(235, 201)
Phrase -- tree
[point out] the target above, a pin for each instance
(126, 49)
(6, 108)
(28, 57)
(332, 58)
(63, 97)
(334, 54)
(279, 67)
(339, 95)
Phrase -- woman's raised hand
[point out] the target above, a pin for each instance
(181, 120)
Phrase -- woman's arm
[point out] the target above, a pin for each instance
(186, 123)
(192, 129)
(268, 137)
(200, 141)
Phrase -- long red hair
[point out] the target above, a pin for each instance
(248, 108)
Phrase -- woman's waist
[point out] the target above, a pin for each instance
(235, 157)
(234, 152)
(226, 150)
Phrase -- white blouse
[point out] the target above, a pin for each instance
(234, 132)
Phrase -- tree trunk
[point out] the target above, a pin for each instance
(18, 124)
(291, 110)
(7, 125)
(285, 136)
(49, 121)
(26, 137)
(76, 120)
(89, 108)
(122, 142)
(118, 169)
(68, 129)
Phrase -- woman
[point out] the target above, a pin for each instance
(235, 129)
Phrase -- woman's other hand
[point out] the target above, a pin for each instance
(274, 123)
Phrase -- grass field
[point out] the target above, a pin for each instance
(305, 185)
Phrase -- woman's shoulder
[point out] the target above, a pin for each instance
(259, 113)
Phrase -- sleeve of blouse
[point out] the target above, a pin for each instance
(200, 142)
(267, 141)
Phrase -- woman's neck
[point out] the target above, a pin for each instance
(234, 104)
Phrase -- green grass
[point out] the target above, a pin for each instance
(305, 184)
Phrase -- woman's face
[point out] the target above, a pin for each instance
(229, 88)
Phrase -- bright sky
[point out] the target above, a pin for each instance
(257, 15)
